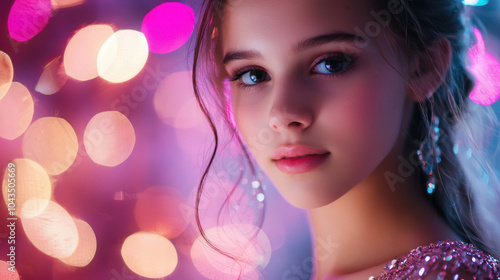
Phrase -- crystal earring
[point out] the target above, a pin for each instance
(429, 154)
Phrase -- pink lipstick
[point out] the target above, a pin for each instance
(294, 159)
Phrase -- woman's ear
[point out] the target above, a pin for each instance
(429, 70)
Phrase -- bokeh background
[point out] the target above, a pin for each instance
(98, 115)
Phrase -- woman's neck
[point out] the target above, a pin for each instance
(372, 224)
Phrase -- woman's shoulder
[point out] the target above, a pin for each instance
(443, 260)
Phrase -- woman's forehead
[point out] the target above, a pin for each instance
(247, 21)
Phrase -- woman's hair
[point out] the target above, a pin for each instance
(467, 190)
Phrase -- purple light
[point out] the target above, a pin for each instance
(486, 69)
(27, 18)
(168, 26)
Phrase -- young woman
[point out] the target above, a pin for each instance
(359, 101)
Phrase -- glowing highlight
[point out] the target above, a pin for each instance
(173, 100)
(109, 138)
(59, 4)
(27, 18)
(237, 239)
(149, 255)
(168, 26)
(53, 232)
(80, 55)
(86, 248)
(166, 203)
(53, 77)
(52, 142)
(16, 111)
(7, 274)
(6, 73)
(486, 69)
(475, 2)
(32, 184)
(122, 56)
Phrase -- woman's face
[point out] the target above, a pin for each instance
(319, 116)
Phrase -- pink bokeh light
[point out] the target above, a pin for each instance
(486, 69)
(27, 18)
(168, 26)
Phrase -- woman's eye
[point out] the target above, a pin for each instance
(330, 65)
(253, 77)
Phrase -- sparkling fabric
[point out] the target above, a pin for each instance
(442, 261)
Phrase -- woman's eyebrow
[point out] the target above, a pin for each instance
(326, 38)
(308, 43)
(237, 55)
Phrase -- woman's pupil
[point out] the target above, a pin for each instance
(255, 77)
(337, 65)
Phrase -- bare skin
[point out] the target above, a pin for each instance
(359, 118)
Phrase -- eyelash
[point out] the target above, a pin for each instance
(344, 57)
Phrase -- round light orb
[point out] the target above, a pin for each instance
(168, 26)
(53, 77)
(109, 138)
(80, 55)
(238, 239)
(86, 248)
(53, 232)
(30, 182)
(6, 73)
(149, 255)
(27, 18)
(122, 56)
(166, 203)
(16, 111)
(52, 142)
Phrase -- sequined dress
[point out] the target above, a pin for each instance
(442, 261)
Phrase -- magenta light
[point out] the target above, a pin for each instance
(168, 26)
(27, 18)
(486, 70)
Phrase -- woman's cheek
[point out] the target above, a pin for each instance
(251, 125)
(362, 119)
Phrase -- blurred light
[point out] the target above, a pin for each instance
(486, 70)
(109, 138)
(215, 192)
(149, 255)
(260, 197)
(86, 248)
(172, 96)
(27, 18)
(276, 231)
(53, 232)
(168, 26)
(190, 115)
(59, 4)
(122, 56)
(53, 77)
(52, 142)
(184, 242)
(195, 140)
(5, 273)
(6, 73)
(80, 55)
(238, 240)
(16, 111)
(31, 182)
(475, 2)
(166, 203)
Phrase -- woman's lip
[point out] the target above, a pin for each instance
(296, 165)
(295, 150)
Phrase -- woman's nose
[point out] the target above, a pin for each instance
(291, 108)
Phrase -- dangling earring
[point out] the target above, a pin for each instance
(429, 154)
